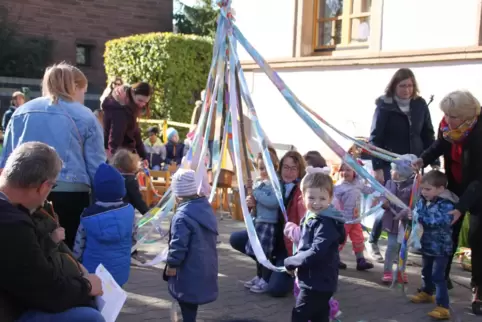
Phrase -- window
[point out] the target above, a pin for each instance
(340, 23)
(83, 55)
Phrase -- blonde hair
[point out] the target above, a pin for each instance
(460, 104)
(61, 81)
(125, 161)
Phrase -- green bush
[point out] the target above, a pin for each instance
(176, 65)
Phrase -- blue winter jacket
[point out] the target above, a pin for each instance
(108, 240)
(192, 251)
(398, 132)
(267, 206)
(437, 224)
(318, 257)
(69, 127)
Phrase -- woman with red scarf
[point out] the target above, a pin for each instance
(460, 142)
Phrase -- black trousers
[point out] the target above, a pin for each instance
(455, 240)
(475, 242)
(312, 306)
(69, 207)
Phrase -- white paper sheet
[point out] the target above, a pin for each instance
(111, 303)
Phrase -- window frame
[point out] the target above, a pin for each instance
(346, 26)
(88, 54)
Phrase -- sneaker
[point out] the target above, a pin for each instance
(362, 264)
(387, 277)
(342, 265)
(249, 284)
(374, 252)
(440, 313)
(422, 297)
(137, 259)
(260, 287)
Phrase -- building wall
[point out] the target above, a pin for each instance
(343, 90)
(88, 22)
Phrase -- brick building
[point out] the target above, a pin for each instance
(80, 28)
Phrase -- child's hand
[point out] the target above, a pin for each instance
(171, 271)
(58, 235)
(386, 205)
(291, 273)
(250, 202)
(249, 184)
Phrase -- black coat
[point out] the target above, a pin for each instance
(470, 189)
(29, 280)
(397, 132)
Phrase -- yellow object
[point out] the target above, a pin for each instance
(164, 131)
(440, 313)
(422, 297)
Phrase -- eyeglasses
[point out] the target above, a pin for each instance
(291, 169)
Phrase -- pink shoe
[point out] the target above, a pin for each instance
(387, 277)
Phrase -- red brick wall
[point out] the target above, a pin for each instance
(88, 22)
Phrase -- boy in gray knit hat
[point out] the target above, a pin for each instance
(192, 261)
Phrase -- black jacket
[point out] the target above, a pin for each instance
(28, 280)
(133, 194)
(394, 131)
(470, 189)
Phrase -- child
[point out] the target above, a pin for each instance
(46, 221)
(394, 218)
(348, 193)
(105, 231)
(127, 163)
(314, 159)
(192, 261)
(156, 151)
(174, 149)
(432, 211)
(317, 257)
(266, 218)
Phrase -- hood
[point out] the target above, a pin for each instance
(199, 210)
(332, 212)
(387, 103)
(449, 195)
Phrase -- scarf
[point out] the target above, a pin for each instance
(459, 134)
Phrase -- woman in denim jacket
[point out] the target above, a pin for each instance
(60, 120)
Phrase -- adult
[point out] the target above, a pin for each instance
(459, 141)
(121, 110)
(60, 119)
(401, 124)
(116, 82)
(18, 99)
(33, 286)
(291, 171)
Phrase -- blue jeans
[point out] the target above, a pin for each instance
(391, 252)
(377, 224)
(76, 314)
(279, 284)
(433, 274)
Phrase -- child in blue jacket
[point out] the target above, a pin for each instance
(105, 231)
(192, 261)
(433, 212)
(317, 259)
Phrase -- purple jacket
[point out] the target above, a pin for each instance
(403, 191)
(348, 195)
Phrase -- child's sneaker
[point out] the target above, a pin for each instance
(422, 297)
(362, 264)
(252, 282)
(260, 287)
(342, 265)
(440, 313)
(387, 277)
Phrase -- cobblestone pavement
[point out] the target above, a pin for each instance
(362, 297)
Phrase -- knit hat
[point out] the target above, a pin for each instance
(183, 183)
(403, 166)
(109, 185)
(171, 132)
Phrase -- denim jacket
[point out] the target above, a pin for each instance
(267, 205)
(69, 127)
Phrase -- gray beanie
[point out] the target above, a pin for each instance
(403, 166)
(184, 183)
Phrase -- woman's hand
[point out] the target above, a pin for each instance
(457, 214)
(250, 202)
(379, 176)
(417, 164)
(95, 284)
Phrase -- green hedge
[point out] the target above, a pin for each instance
(176, 65)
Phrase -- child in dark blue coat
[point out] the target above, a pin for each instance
(105, 231)
(433, 211)
(317, 259)
(192, 261)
